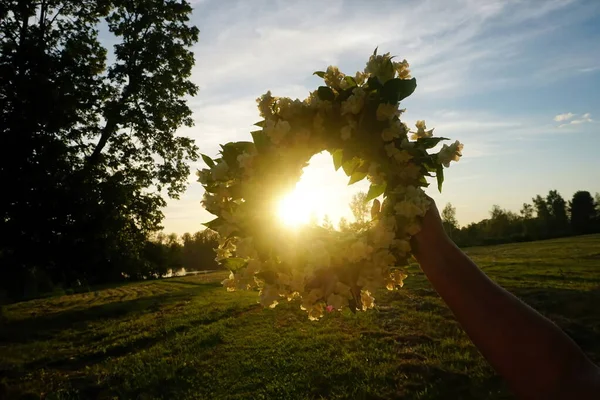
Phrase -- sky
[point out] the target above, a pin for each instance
(516, 81)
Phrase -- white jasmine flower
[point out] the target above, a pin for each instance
(276, 131)
(421, 131)
(450, 153)
(387, 111)
(367, 300)
(220, 170)
(333, 77)
(359, 250)
(354, 103)
(245, 160)
(265, 105)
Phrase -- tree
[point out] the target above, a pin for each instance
(528, 221)
(344, 225)
(558, 211)
(89, 150)
(583, 213)
(327, 224)
(526, 211)
(198, 251)
(541, 208)
(543, 217)
(503, 224)
(449, 219)
(360, 208)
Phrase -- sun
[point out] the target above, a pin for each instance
(321, 192)
(297, 208)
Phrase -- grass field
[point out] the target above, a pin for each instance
(185, 338)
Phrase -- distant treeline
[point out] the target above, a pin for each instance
(192, 252)
(544, 218)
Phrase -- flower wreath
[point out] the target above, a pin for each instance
(357, 120)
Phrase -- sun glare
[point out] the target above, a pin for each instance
(297, 208)
(320, 192)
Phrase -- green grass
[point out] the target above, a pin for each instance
(188, 338)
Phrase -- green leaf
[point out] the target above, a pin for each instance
(373, 83)
(440, 176)
(232, 150)
(350, 153)
(208, 160)
(337, 156)
(325, 93)
(357, 176)
(350, 166)
(241, 146)
(423, 181)
(234, 263)
(350, 80)
(430, 163)
(260, 124)
(320, 74)
(345, 94)
(261, 140)
(212, 188)
(428, 143)
(230, 153)
(213, 224)
(396, 90)
(375, 191)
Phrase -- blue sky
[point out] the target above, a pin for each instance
(518, 82)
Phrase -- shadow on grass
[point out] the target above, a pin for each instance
(567, 277)
(87, 387)
(574, 311)
(44, 327)
(74, 364)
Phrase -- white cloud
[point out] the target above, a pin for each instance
(246, 45)
(589, 69)
(587, 117)
(564, 117)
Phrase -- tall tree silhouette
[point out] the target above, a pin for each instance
(89, 150)
(559, 221)
(583, 213)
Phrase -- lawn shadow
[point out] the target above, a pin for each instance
(77, 363)
(45, 327)
(574, 311)
(433, 382)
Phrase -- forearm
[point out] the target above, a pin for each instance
(529, 351)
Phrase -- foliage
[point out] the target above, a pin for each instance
(88, 149)
(185, 338)
(449, 219)
(357, 120)
(584, 218)
(559, 221)
(327, 223)
(360, 207)
(198, 251)
(544, 219)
